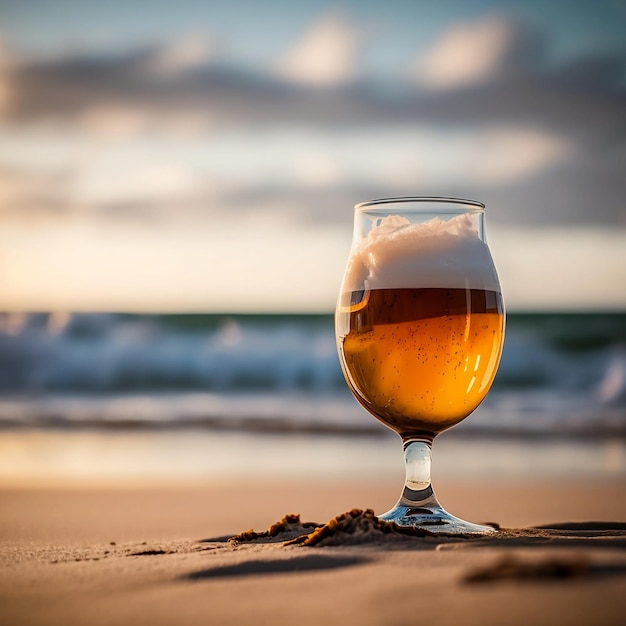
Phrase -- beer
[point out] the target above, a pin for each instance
(420, 359)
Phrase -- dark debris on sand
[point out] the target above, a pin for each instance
(514, 568)
(353, 527)
(287, 528)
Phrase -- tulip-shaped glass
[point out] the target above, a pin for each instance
(420, 327)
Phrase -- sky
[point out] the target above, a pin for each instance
(206, 156)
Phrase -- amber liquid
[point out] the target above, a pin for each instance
(420, 360)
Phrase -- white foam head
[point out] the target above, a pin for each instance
(397, 254)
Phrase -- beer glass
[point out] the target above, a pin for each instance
(420, 326)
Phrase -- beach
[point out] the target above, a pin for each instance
(133, 447)
(158, 554)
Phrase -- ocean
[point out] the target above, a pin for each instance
(249, 378)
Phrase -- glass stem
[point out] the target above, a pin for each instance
(418, 491)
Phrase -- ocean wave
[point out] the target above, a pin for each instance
(281, 373)
(91, 353)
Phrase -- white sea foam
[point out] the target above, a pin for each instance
(397, 254)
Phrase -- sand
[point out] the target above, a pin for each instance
(156, 554)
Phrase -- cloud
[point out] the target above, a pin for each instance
(148, 182)
(532, 139)
(183, 80)
(508, 154)
(503, 80)
(29, 197)
(466, 54)
(114, 122)
(182, 55)
(4, 77)
(326, 54)
(588, 190)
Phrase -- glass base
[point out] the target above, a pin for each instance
(434, 519)
(418, 507)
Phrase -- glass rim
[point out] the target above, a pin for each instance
(472, 205)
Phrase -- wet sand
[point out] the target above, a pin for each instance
(158, 554)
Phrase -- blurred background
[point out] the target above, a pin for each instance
(176, 192)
